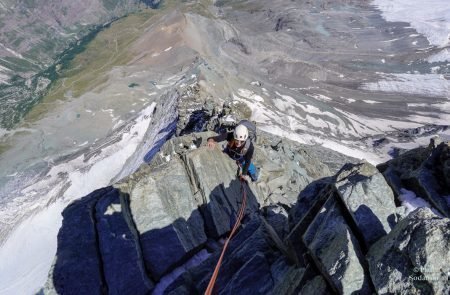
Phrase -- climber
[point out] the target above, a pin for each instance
(240, 148)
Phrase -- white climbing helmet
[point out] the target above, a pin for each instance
(240, 133)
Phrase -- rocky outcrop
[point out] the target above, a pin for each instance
(424, 171)
(368, 199)
(162, 215)
(414, 257)
(161, 229)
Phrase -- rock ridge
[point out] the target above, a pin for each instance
(161, 229)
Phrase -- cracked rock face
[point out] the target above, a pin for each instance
(414, 257)
(336, 250)
(162, 229)
(157, 218)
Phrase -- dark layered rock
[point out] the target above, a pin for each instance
(277, 217)
(248, 258)
(286, 277)
(423, 182)
(254, 277)
(119, 247)
(413, 258)
(444, 164)
(310, 202)
(430, 180)
(368, 199)
(78, 267)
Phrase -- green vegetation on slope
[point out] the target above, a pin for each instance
(86, 68)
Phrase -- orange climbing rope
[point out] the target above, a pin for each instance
(210, 287)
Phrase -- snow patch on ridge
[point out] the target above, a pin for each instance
(411, 202)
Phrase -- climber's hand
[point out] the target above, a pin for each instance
(211, 143)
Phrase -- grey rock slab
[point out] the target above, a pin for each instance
(214, 175)
(166, 215)
(414, 257)
(369, 200)
(120, 250)
(336, 251)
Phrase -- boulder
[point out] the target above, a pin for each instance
(336, 251)
(286, 169)
(119, 247)
(414, 257)
(368, 199)
(165, 214)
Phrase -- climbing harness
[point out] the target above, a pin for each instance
(235, 152)
(210, 287)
